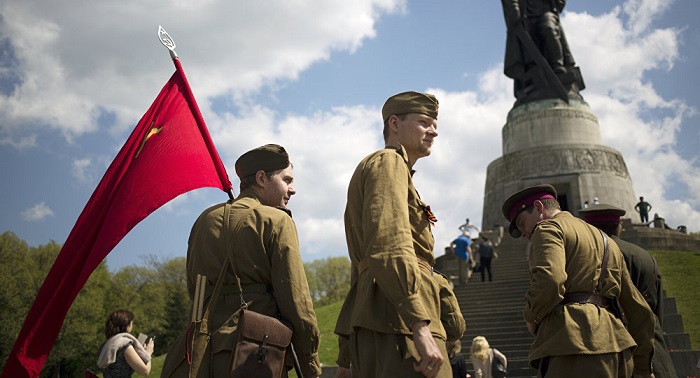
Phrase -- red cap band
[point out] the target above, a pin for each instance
(601, 218)
(527, 201)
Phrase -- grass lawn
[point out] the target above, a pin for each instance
(679, 271)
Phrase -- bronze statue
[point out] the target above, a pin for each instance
(538, 57)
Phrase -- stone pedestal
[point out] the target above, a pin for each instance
(552, 142)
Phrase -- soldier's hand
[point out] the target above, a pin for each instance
(532, 328)
(343, 373)
(430, 357)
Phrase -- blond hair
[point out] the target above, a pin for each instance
(480, 348)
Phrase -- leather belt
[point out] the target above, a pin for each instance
(364, 265)
(583, 298)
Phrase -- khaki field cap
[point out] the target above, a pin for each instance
(270, 157)
(520, 201)
(602, 212)
(410, 102)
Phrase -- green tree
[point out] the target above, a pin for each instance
(173, 278)
(329, 279)
(16, 289)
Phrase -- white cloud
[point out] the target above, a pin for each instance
(37, 212)
(73, 67)
(80, 167)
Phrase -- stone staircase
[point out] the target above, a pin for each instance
(494, 310)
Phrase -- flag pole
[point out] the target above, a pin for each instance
(169, 43)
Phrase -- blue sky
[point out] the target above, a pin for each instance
(313, 76)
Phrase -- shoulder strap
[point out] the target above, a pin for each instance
(229, 245)
(604, 264)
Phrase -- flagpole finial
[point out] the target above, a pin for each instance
(167, 41)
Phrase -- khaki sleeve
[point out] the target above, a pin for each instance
(388, 238)
(450, 314)
(641, 323)
(547, 272)
(291, 291)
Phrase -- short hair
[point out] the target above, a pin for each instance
(610, 228)
(250, 180)
(385, 132)
(548, 203)
(117, 322)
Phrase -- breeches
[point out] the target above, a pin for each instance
(380, 355)
(613, 365)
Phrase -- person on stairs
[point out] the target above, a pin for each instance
(486, 256)
(482, 357)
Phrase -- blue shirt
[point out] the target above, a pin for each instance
(461, 244)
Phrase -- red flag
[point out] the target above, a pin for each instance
(169, 153)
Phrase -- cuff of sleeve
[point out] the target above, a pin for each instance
(530, 317)
(310, 365)
(344, 359)
(412, 310)
(642, 364)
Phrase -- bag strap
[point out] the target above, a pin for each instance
(227, 211)
(229, 251)
(604, 264)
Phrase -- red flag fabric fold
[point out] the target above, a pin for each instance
(170, 152)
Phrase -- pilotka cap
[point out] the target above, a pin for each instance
(410, 102)
(270, 157)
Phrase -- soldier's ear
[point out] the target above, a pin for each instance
(260, 178)
(393, 123)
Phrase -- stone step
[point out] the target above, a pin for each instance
(672, 323)
(679, 341)
(685, 362)
(669, 305)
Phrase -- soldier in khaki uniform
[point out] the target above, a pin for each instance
(390, 322)
(575, 316)
(266, 258)
(645, 276)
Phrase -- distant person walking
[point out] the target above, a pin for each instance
(461, 247)
(486, 255)
(643, 208)
(482, 357)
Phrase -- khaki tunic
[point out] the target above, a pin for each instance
(388, 232)
(566, 256)
(265, 253)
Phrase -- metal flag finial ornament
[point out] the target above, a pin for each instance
(167, 41)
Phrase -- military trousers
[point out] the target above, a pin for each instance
(613, 365)
(381, 355)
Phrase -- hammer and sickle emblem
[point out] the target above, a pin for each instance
(151, 132)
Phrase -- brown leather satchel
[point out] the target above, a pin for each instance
(260, 347)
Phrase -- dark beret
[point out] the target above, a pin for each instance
(270, 157)
(601, 212)
(521, 200)
(410, 102)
